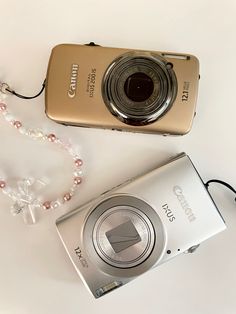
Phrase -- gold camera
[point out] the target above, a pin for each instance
(122, 89)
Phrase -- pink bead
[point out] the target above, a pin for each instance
(2, 106)
(17, 124)
(2, 184)
(52, 137)
(77, 180)
(78, 162)
(47, 205)
(67, 197)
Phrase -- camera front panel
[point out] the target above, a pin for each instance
(122, 89)
(139, 225)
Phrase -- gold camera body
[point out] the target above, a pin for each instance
(122, 89)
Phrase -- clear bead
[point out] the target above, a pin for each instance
(58, 203)
(55, 204)
(29, 181)
(7, 190)
(22, 130)
(72, 191)
(15, 209)
(29, 215)
(36, 134)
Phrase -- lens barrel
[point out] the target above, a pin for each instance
(139, 87)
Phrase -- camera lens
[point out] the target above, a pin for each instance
(139, 87)
(124, 236)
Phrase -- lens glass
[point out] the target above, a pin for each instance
(123, 236)
(138, 87)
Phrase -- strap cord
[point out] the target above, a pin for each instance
(5, 87)
(220, 182)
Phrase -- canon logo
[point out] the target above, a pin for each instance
(184, 204)
(73, 80)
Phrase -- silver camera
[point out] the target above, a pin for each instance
(139, 225)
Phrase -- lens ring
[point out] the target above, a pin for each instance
(151, 229)
(150, 109)
(145, 107)
(133, 255)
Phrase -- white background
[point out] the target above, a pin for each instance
(36, 275)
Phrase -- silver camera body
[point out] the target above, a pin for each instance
(138, 225)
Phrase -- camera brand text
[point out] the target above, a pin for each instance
(91, 81)
(168, 212)
(73, 80)
(183, 203)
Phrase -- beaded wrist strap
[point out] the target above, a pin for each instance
(24, 199)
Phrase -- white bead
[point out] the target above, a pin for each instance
(65, 143)
(32, 133)
(71, 152)
(58, 141)
(29, 181)
(75, 157)
(9, 117)
(22, 130)
(3, 96)
(42, 182)
(73, 188)
(78, 173)
(59, 201)
(11, 194)
(5, 112)
(7, 190)
(55, 204)
(39, 133)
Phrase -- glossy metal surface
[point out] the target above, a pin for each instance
(142, 208)
(171, 114)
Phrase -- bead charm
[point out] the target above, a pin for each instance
(46, 205)
(17, 124)
(77, 180)
(2, 106)
(52, 137)
(78, 162)
(25, 200)
(67, 197)
(2, 184)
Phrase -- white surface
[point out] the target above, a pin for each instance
(35, 273)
